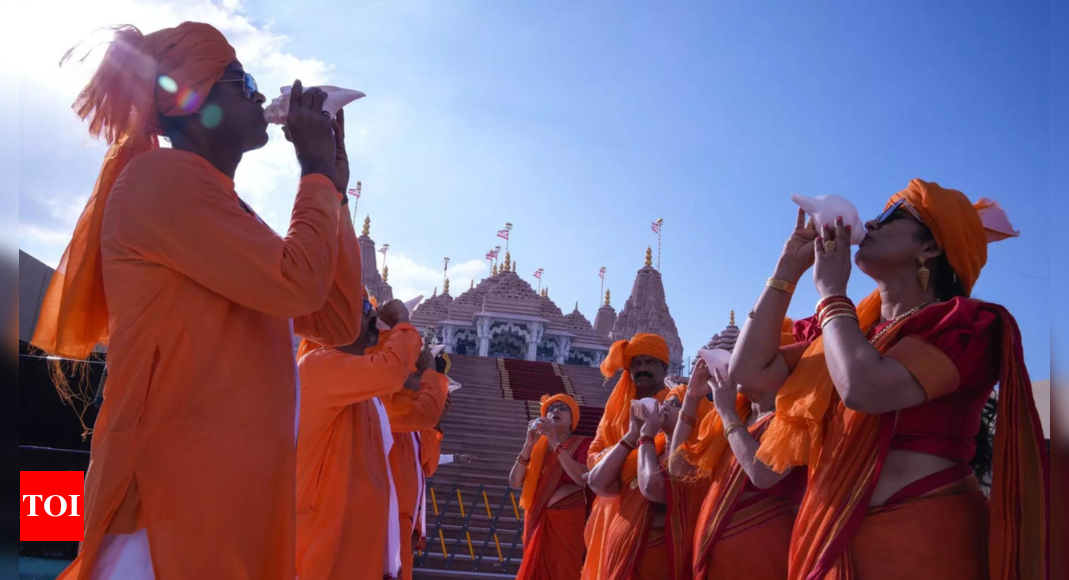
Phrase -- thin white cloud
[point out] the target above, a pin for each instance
(410, 279)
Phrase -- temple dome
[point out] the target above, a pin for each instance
(646, 310)
(578, 324)
(513, 295)
(432, 311)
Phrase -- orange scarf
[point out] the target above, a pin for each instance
(122, 103)
(538, 454)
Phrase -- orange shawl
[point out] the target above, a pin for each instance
(122, 103)
(538, 454)
(846, 460)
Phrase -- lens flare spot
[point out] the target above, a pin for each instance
(189, 100)
(168, 84)
(211, 116)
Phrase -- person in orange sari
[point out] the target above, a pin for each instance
(677, 498)
(551, 469)
(620, 542)
(413, 409)
(885, 402)
(344, 492)
(745, 520)
(193, 458)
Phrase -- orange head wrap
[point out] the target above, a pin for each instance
(168, 72)
(538, 454)
(963, 230)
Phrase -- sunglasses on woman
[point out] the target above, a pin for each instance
(892, 213)
(248, 84)
(558, 407)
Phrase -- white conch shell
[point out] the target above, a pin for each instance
(453, 385)
(647, 407)
(716, 359)
(336, 99)
(825, 208)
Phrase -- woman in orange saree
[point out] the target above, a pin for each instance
(884, 401)
(551, 470)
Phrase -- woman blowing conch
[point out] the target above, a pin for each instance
(884, 401)
(552, 470)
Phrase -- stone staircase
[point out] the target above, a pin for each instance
(483, 422)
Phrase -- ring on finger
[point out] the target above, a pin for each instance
(829, 245)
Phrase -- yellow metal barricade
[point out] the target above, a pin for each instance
(471, 550)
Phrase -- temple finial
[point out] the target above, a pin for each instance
(494, 271)
(446, 291)
(367, 226)
(577, 306)
(732, 323)
(508, 262)
(649, 256)
(435, 292)
(385, 273)
(472, 284)
(607, 297)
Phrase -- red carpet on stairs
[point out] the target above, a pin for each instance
(530, 380)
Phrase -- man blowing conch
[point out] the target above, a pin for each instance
(192, 470)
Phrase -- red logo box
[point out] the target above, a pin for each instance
(53, 506)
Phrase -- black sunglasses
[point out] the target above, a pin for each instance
(892, 213)
(248, 84)
(557, 407)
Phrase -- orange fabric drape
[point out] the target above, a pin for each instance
(122, 105)
(538, 454)
(684, 499)
(412, 413)
(553, 534)
(343, 482)
(194, 263)
(625, 537)
(846, 456)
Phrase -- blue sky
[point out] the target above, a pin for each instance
(581, 124)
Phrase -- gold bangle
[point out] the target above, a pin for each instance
(687, 418)
(781, 285)
(732, 427)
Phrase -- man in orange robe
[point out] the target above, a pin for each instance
(343, 475)
(413, 409)
(620, 543)
(193, 457)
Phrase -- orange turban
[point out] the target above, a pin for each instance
(538, 454)
(168, 72)
(961, 228)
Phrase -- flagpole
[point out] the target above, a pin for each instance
(601, 273)
(356, 203)
(660, 223)
(508, 228)
(447, 268)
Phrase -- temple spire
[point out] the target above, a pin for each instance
(367, 226)
(649, 256)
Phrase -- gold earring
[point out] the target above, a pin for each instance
(924, 274)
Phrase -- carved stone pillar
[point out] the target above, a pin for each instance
(565, 346)
(534, 338)
(482, 326)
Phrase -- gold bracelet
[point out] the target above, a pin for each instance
(781, 285)
(732, 427)
(687, 418)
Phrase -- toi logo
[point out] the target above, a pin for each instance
(53, 506)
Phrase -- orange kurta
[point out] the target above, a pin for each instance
(410, 413)
(197, 427)
(430, 447)
(343, 480)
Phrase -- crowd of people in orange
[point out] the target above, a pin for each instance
(858, 443)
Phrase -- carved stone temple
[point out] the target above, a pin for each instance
(503, 316)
